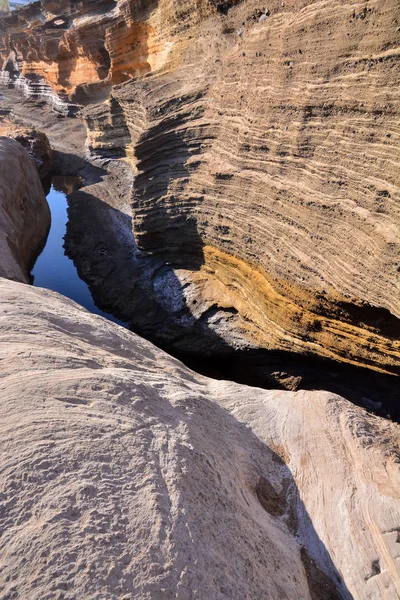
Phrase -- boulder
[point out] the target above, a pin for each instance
(24, 212)
(126, 475)
(38, 147)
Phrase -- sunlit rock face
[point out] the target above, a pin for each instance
(61, 52)
(264, 148)
(127, 475)
(267, 168)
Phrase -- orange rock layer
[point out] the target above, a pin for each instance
(265, 152)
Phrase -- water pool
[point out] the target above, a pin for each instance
(53, 269)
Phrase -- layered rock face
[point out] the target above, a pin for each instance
(268, 164)
(127, 475)
(24, 213)
(69, 52)
(264, 147)
(124, 474)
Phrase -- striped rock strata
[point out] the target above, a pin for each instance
(265, 148)
(124, 474)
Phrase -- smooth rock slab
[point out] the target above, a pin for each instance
(24, 213)
(126, 475)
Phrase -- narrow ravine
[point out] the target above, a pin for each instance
(53, 269)
(270, 370)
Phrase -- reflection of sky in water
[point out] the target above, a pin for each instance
(53, 269)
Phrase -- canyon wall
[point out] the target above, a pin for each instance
(264, 144)
(268, 165)
(264, 219)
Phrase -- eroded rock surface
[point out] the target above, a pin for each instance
(256, 175)
(24, 213)
(38, 147)
(256, 192)
(264, 151)
(127, 475)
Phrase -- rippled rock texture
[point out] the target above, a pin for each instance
(126, 475)
(262, 151)
(264, 146)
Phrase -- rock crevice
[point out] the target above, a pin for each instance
(264, 154)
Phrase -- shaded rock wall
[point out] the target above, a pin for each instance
(24, 213)
(126, 474)
(264, 148)
(38, 147)
(259, 149)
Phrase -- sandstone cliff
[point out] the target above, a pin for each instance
(264, 148)
(255, 198)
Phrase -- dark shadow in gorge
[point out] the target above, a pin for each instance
(67, 164)
(163, 153)
(100, 242)
(377, 392)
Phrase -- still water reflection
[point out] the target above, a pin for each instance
(53, 269)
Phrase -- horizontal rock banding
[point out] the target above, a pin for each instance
(257, 153)
(124, 473)
(271, 137)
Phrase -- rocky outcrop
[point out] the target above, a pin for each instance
(76, 52)
(258, 188)
(24, 213)
(264, 150)
(38, 147)
(124, 474)
(127, 475)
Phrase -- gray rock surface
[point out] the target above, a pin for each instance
(24, 213)
(37, 145)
